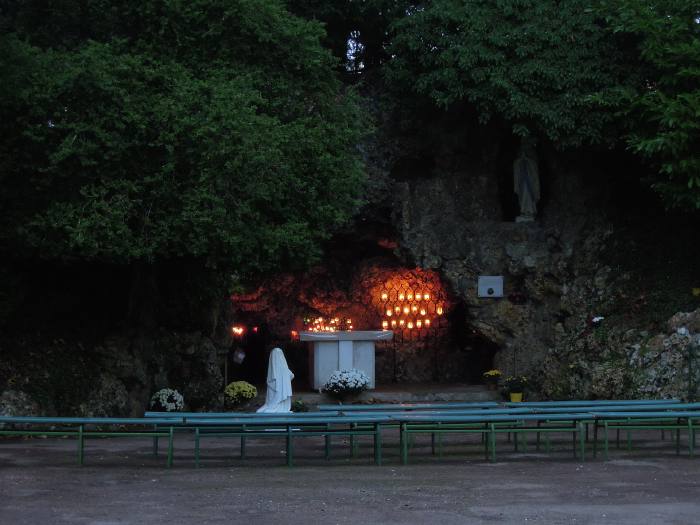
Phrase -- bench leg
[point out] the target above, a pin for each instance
(605, 435)
(629, 438)
(377, 444)
(155, 441)
(691, 439)
(171, 440)
(196, 447)
(328, 442)
(353, 442)
(582, 433)
(404, 445)
(81, 445)
(243, 440)
(492, 441)
(595, 439)
(290, 447)
(678, 441)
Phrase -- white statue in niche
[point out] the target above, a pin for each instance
(278, 397)
(526, 180)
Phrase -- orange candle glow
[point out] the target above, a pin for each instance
(393, 322)
(405, 309)
(401, 322)
(389, 313)
(426, 296)
(385, 324)
(439, 310)
(427, 322)
(419, 323)
(418, 297)
(385, 296)
(409, 296)
(410, 325)
(422, 311)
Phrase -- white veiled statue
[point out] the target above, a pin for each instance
(278, 397)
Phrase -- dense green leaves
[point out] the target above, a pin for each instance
(213, 129)
(664, 108)
(530, 62)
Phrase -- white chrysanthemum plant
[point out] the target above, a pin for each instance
(343, 383)
(167, 400)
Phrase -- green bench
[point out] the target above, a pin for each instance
(290, 426)
(488, 425)
(409, 406)
(677, 420)
(187, 418)
(83, 428)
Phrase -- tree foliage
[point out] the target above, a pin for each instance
(533, 63)
(139, 131)
(663, 108)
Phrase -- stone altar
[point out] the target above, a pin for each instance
(333, 351)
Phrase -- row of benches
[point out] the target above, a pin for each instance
(486, 419)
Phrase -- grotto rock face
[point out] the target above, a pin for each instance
(553, 277)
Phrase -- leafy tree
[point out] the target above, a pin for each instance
(532, 63)
(135, 132)
(663, 107)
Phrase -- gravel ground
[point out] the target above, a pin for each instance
(122, 483)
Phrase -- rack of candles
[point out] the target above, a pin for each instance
(332, 324)
(413, 313)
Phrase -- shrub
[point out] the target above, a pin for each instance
(300, 406)
(167, 400)
(239, 392)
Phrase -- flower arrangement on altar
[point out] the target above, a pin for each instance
(239, 392)
(167, 400)
(343, 383)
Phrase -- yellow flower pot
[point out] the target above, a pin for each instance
(516, 397)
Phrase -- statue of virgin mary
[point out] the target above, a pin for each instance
(278, 397)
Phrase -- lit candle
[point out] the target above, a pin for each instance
(418, 297)
(384, 296)
(410, 325)
(393, 322)
(349, 321)
(427, 322)
(397, 309)
(410, 296)
(405, 309)
(401, 322)
(385, 324)
(422, 311)
(439, 310)
(414, 308)
(426, 296)
(389, 312)
(401, 297)
(419, 323)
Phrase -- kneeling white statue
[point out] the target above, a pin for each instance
(278, 397)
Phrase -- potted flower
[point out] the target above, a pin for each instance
(238, 393)
(514, 387)
(344, 383)
(167, 400)
(491, 378)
